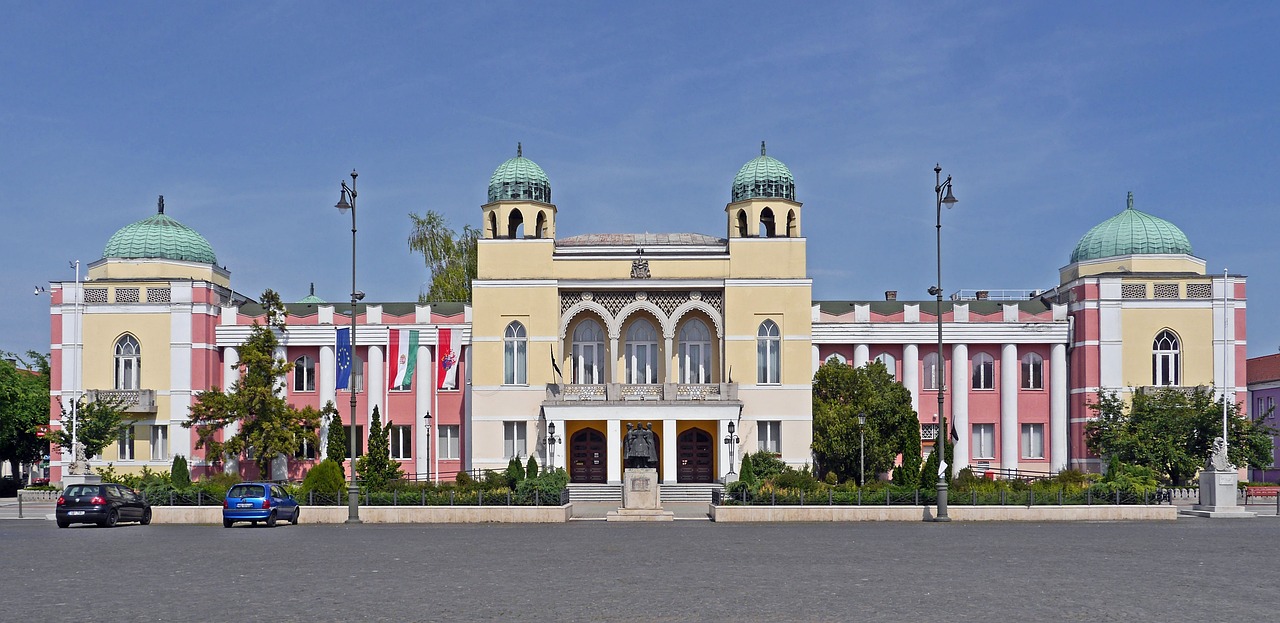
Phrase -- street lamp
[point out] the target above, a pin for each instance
(552, 440)
(347, 201)
(427, 417)
(731, 440)
(940, 445)
(862, 449)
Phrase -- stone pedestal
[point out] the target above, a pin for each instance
(81, 479)
(1218, 496)
(640, 497)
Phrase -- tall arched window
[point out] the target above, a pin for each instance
(836, 358)
(515, 225)
(1032, 371)
(514, 355)
(1166, 359)
(767, 227)
(128, 362)
(889, 364)
(742, 224)
(304, 374)
(642, 353)
(695, 352)
(984, 371)
(768, 355)
(931, 377)
(588, 353)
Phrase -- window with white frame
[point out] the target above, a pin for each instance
(128, 362)
(514, 355)
(1166, 356)
(401, 442)
(984, 441)
(306, 449)
(124, 444)
(984, 371)
(513, 440)
(768, 353)
(1032, 371)
(304, 374)
(355, 441)
(932, 377)
(1271, 405)
(448, 445)
(160, 442)
(642, 352)
(587, 366)
(695, 352)
(1033, 441)
(890, 364)
(769, 435)
(357, 373)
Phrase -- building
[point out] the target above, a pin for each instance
(1264, 392)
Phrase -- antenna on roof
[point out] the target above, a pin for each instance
(1131, 200)
(519, 150)
(761, 148)
(161, 204)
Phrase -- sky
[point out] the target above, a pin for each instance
(246, 116)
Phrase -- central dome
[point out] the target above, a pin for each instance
(159, 236)
(1131, 232)
(519, 179)
(764, 178)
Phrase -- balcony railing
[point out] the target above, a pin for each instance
(632, 392)
(131, 400)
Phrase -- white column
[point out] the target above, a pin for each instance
(673, 367)
(326, 374)
(230, 374)
(1009, 432)
(959, 406)
(1058, 407)
(861, 353)
(911, 373)
(613, 441)
(375, 385)
(615, 370)
(422, 427)
(281, 353)
(669, 450)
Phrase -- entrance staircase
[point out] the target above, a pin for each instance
(674, 492)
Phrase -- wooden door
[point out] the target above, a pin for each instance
(694, 458)
(588, 457)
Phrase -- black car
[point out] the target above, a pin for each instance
(106, 505)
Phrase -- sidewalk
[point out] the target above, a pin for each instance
(30, 510)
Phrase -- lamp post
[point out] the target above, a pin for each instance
(552, 440)
(862, 449)
(940, 445)
(427, 417)
(731, 440)
(347, 201)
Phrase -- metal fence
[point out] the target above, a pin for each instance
(918, 497)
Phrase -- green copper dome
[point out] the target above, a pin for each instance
(159, 236)
(764, 178)
(312, 298)
(519, 179)
(1131, 232)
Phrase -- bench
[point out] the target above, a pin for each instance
(1261, 492)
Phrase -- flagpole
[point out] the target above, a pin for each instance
(435, 405)
(1226, 353)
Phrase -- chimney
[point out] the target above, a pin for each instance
(890, 295)
(983, 294)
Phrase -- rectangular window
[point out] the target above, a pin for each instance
(513, 439)
(770, 437)
(357, 440)
(984, 441)
(448, 445)
(931, 378)
(160, 442)
(305, 450)
(357, 374)
(1033, 441)
(401, 442)
(124, 445)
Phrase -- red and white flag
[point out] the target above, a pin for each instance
(447, 375)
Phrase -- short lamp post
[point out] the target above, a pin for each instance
(427, 417)
(552, 440)
(940, 444)
(731, 440)
(347, 201)
(862, 449)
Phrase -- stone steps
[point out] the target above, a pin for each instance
(676, 492)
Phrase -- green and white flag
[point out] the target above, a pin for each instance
(403, 359)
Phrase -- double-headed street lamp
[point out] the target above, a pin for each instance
(552, 440)
(731, 440)
(940, 444)
(347, 201)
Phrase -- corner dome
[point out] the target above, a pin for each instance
(159, 236)
(1131, 232)
(312, 299)
(764, 178)
(519, 179)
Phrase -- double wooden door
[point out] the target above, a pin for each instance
(588, 457)
(695, 456)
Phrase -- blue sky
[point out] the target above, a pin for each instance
(246, 115)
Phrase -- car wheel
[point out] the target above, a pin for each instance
(226, 523)
(113, 517)
(146, 517)
(271, 520)
(296, 511)
(63, 524)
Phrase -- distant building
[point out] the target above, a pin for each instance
(1264, 393)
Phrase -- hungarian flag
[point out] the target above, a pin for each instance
(447, 376)
(403, 358)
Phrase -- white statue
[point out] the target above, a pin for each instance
(1218, 460)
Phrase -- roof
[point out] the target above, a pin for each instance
(888, 308)
(519, 179)
(763, 177)
(159, 236)
(646, 239)
(1263, 369)
(1131, 232)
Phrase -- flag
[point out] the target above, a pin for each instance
(447, 377)
(553, 364)
(344, 358)
(403, 359)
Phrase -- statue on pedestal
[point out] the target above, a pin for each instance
(1218, 460)
(640, 448)
(79, 465)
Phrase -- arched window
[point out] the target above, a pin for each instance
(493, 225)
(836, 358)
(767, 227)
(695, 352)
(304, 374)
(889, 364)
(984, 371)
(793, 229)
(514, 355)
(742, 224)
(1166, 359)
(642, 353)
(1032, 371)
(588, 353)
(128, 362)
(541, 229)
(932, 375)
(768, 355)
(515, 224)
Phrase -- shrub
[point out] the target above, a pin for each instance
(336, 446)
(326, 477)
(531, 469)
(514, 473)
(800, 480)
(463, 479)
(767, 464)
(831, 479)
(547, 485)
(180, 476)
(748, 474)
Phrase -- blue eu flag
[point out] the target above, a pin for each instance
(344, 358)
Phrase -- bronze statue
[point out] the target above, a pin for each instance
(639, 447)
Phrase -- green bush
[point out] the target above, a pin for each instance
(748, 475)
(831, 479)
(795, 479)
(531, 469)
(514, 473)
(766, 465)
(547, 486)
(463, 479)
(326, 478)
(179, 475)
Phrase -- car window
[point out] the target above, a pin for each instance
(278, 492)
(246, 491)
(114, 491)
(81, 491)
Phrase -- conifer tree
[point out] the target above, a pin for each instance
(376, 468)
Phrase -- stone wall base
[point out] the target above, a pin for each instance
(743, 514)
(383, 514)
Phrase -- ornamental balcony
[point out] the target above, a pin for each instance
(131, 400)
(655, 392)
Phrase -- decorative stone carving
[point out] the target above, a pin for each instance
(1218, 460)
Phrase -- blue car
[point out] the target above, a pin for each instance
(259, 501)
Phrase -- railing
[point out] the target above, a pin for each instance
(666, 392)
(132, 400)
(917, 497)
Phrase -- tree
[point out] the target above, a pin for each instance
(451, 258)
(24, 406)
(179, 475)
(267, 423)
(1171, 431)
(531, 468)
(840, 393)
(375, 467)
(336, 450)
(98, 424)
